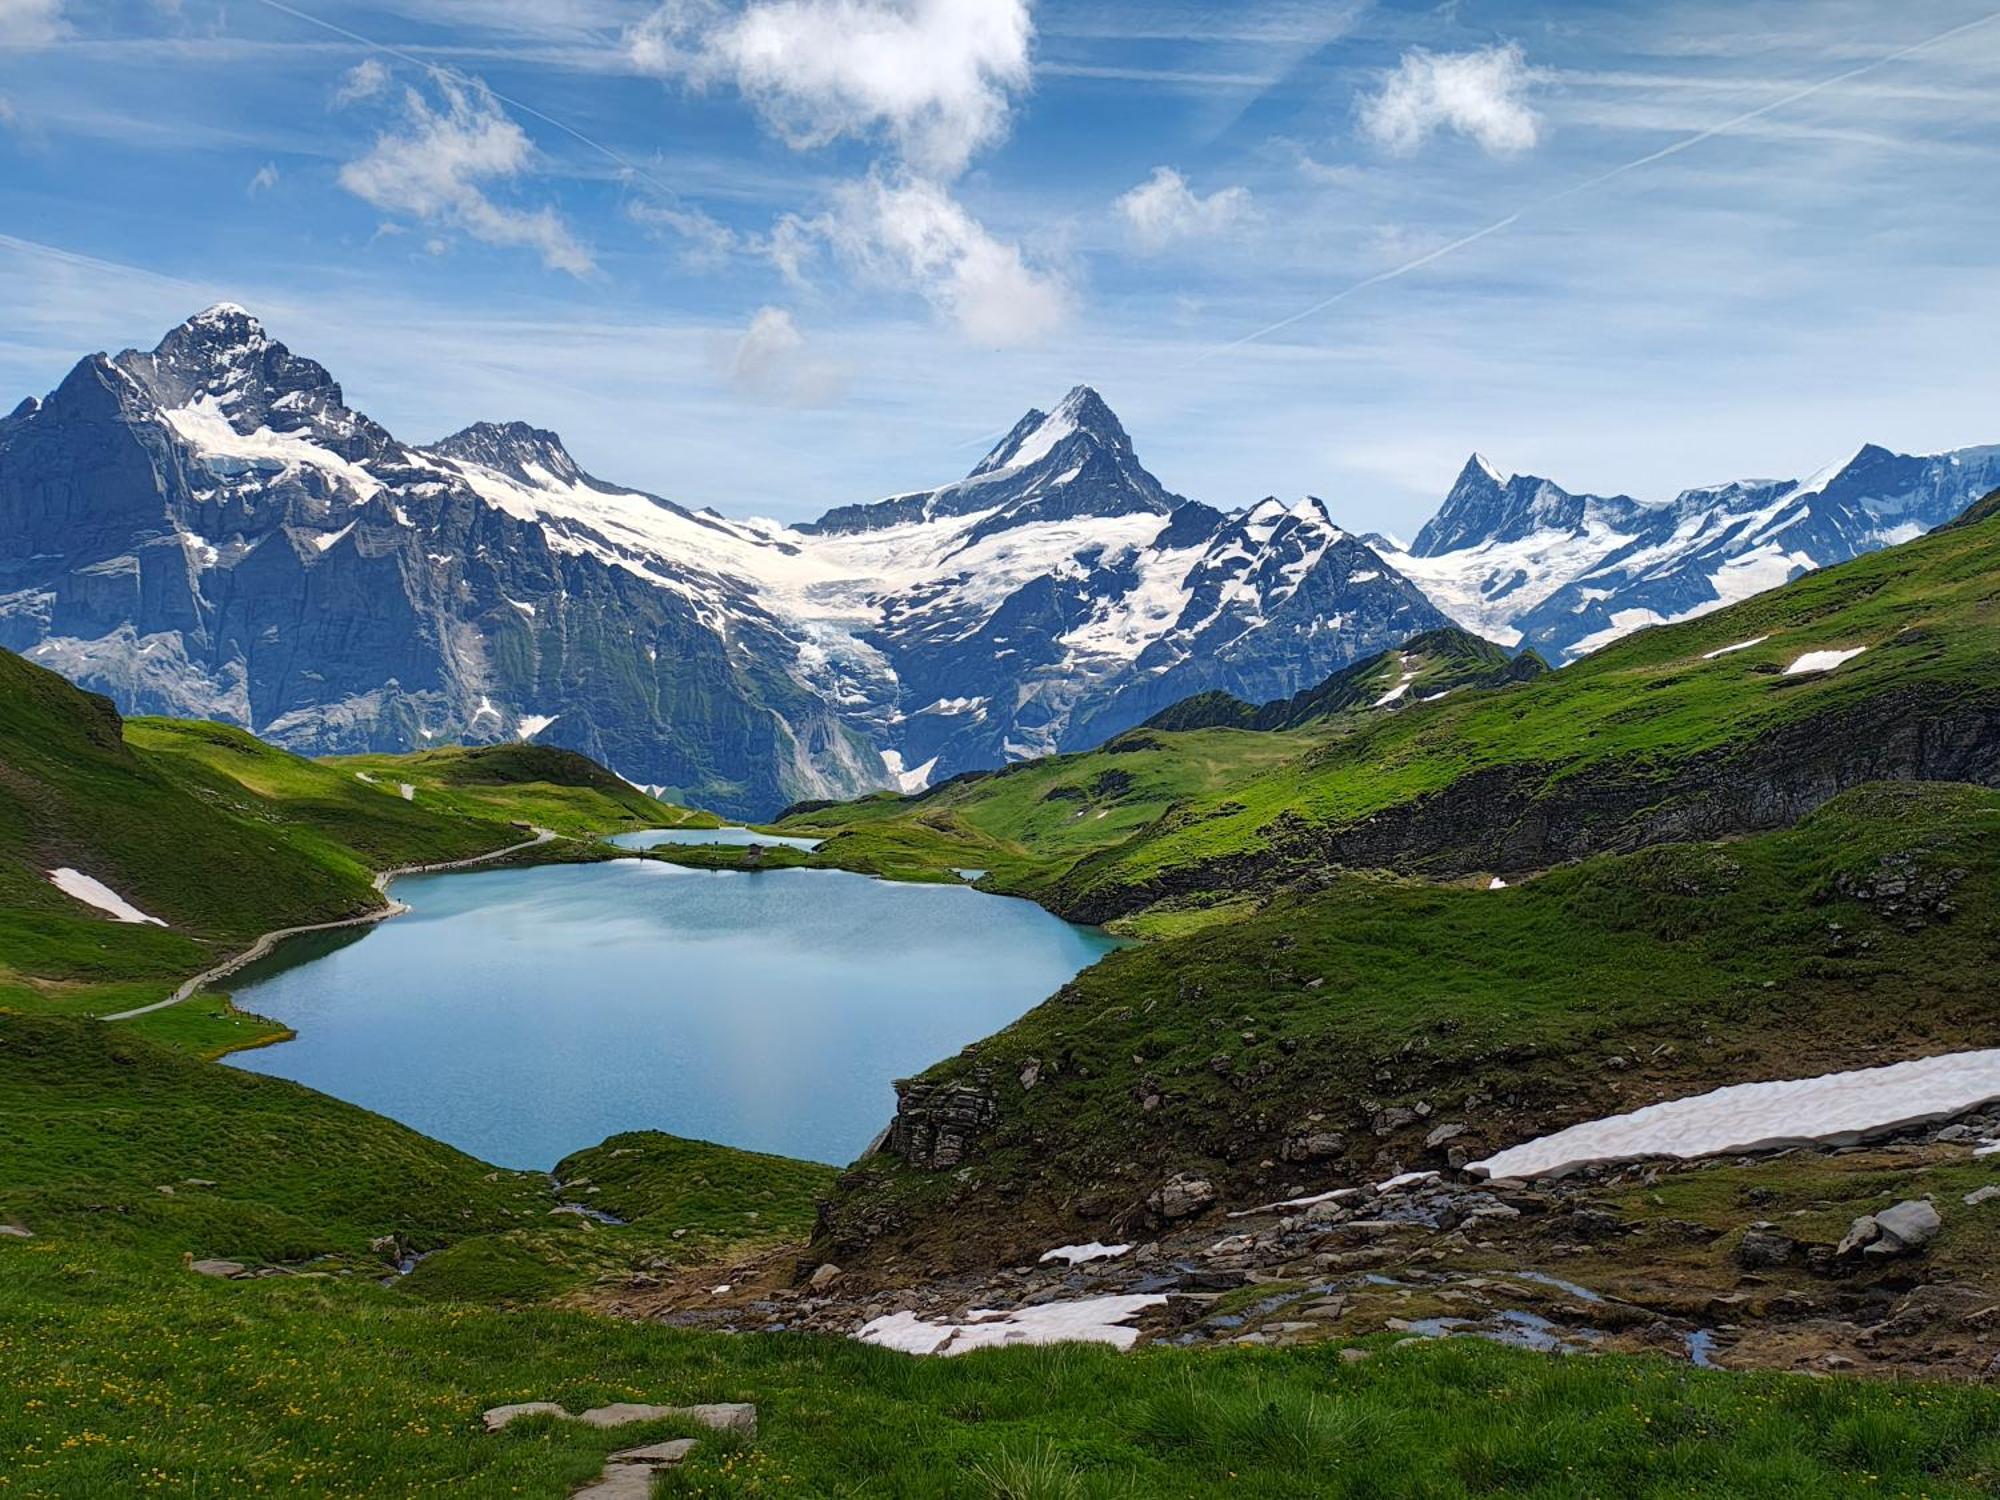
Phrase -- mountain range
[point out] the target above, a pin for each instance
(208, 529)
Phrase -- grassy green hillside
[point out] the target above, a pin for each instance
(122, 1373)
(1361, 1016)
(223, 837)
(1683, 731)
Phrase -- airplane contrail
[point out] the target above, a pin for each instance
(635, 168)
(1589, 183)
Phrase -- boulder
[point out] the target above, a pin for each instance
(225, 1269)
(1863, 1232)
(1181, 1196)
(1910, 1225)
(16, 1232)
(1312, 1145)
(1450, 1130)
(1972, 1200)
(1761, 1248)
(824, 1277)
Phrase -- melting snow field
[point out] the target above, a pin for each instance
(1835, 1109)
(96, 893)
(1755, 640)
(1822, 661)
(1093, 1320)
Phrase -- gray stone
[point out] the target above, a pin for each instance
(1448, 1131)
(16, 1232)
(824, 1277)
(1182, 1196)
(658, 1455)
(1761, 1249)
(723, 1416)
(497, 1417)
(1910, 1225)
(1862, 1232)
(619, 1482)
(1972, 1200)
(220, 1268)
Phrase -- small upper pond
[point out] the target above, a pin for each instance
(524, 1014)
(652, 838)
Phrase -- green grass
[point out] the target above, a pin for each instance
(716, 1193)
(1694, 965)
(121, 1373)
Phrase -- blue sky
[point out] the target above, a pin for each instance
(774, 255)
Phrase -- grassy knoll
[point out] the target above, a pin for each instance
(121, 1373)
(1377, 1008)
(1658, 736)
(223, 837)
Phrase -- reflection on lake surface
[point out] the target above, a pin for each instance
(524, 1014)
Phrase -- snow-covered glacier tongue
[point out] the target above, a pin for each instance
(1526, 563)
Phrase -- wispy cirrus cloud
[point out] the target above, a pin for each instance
(1480, 95)
(436, 164)
(26, 24)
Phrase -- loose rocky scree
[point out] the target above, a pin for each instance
(1747, 1262)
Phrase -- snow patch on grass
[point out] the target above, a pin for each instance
(1822, 661)
(1833, 1109)
(1092, 1320)
(91, 892)
(1755, 640)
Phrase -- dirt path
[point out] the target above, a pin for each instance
(270, 940)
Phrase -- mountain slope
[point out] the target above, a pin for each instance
(1525, 562)
(207, 528)
(1746, 718)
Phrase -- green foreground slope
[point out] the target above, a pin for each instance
(122, 1373)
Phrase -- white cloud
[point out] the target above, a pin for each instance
(770, 360)
(706, 244)
(433, 167)
(1479, 95)
(1164, 209)
(365, 80)
(937, 77)
(910, 231)
(30, 23)
(264, 179)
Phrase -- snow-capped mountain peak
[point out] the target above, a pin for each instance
(1523, 561)
(1082, 416)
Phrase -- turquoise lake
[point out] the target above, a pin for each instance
(523, 1014)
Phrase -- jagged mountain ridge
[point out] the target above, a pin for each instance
(208, 528)
(1527, 563)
